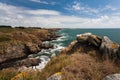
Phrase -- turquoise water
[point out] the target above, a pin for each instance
(70, 34)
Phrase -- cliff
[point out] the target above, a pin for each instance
(89, 57)
(16, 44)
(88, 42)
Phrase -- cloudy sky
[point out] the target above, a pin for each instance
(61, 13)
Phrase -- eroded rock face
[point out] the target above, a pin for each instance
(90, 39)
(112, 77)
(106, 47)
(12, 52)
(110, 48)
(17, 55)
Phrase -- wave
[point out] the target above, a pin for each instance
(45, 54)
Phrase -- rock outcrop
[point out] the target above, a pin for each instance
(110, 48)
(112, 77)
(15, 53)
(89, 42)
(104, 44)
(56, 76)
(90, 39)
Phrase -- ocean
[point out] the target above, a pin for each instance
(69, 35)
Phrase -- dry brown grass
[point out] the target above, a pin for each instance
(78, 66)
(55, 65)
(85, 67)
(7, 74)
(15, 36)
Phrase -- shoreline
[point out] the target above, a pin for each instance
(25, 59)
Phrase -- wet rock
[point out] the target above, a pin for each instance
(46, 45)
(112, 77)
(56, 76)
(28, 62)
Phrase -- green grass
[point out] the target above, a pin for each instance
(4, 38)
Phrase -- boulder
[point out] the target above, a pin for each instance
(28, 62)
(12, 52)
(112, 77)
(31, 48)
(90, 39)
(46, 45)
(110, 48)
(56, 76)
(106, 47)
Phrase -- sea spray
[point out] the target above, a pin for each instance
(45, 54)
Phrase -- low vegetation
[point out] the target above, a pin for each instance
(15, 36)
(78, 64)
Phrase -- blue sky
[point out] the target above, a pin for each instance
(61, 13)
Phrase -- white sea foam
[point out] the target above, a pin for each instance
(42, 64)
(58, 46)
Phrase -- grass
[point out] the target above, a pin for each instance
(7, 74)
(4, 38)
(85, 67)
(82, 63)
(77, 66)
(54, 66)
(15, 36)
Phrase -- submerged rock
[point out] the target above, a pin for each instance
(112, 77)
(46, 45)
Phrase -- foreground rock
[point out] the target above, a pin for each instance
(107, 47)
(110, 48)
(56, 76)
(90, 39)
(112, 77)
(103, 46)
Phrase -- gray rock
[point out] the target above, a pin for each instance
(109, 47)
(112, 77)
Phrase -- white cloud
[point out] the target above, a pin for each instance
(43, 12)
(80, 8)
(109, 7)
(85, 9)
(39, 1)
(43, 2)
(17, 16)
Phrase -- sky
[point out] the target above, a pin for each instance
(61, 13)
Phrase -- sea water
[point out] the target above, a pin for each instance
(69, 35)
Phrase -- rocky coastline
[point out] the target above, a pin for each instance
(88, 57)
(18, 55)
(86, 42)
